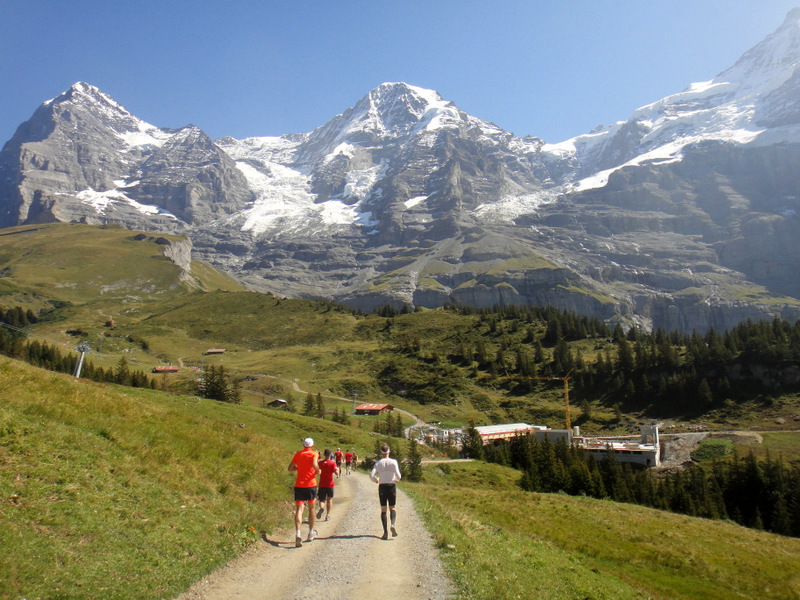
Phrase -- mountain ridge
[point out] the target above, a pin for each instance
(681, 217)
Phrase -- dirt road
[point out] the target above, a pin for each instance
(347, 561)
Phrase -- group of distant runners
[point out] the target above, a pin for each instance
(309, 463)
(350, 460)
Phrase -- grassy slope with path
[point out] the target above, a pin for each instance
(123, 493)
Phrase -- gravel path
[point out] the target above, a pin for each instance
(348, 560)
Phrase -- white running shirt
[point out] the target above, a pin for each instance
(387, 469)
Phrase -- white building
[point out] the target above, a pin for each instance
(491, 433)
(646, 451)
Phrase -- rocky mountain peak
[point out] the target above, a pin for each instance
(86, 103)
(396, 107)
(84, 93)
(768, 64)
(390, 113)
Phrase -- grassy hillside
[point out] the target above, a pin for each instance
(80, 277)
(112, 492)
(441, 365)
(504, 543)
(88, 264)
(120, 294)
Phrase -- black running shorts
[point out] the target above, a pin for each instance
(308, 494)
(387, 494)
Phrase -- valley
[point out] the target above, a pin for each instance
(164, 483)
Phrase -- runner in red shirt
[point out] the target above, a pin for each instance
(306, 464)
(325, 495)
(348, 458)
(338, 456)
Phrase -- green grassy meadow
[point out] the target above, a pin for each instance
(136, 303)
(500, 542)
(112, 492)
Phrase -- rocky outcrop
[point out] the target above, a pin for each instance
(191, 178)
(178, 250)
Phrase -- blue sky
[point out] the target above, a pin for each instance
(241, 68)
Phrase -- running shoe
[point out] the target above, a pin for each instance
(394, 531)
(327, 517)
(385, 536)
(319, 513)
(298, 541)
(311, 535)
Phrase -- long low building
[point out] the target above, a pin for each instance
(492, 433)
(646, 455)
(645, 452)
(373, 409)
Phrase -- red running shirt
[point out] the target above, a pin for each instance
(328, 470)
(304, 459)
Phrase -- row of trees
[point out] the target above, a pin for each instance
(215, 382)
(314, 407)
(663, 373)
(49, 356)
(391, 426)
(668, 372)
(18, 317)
(758, 494)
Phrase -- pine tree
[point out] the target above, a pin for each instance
(234, 394)
(625, 361)
(309, 409)
(122, 375)
(413, 462)
(586, 410)
(319, 406)
(704, 395)
(397, 426)
(473, 443)
(538, 353)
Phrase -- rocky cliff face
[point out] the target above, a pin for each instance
(682, 217)
(84, 158)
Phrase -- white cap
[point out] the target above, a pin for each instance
(308, 442)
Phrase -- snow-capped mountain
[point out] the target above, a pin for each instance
(378, 163)
(683, 216)
(82, 157)
(754, 102)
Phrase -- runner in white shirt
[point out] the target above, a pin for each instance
(388, 472)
